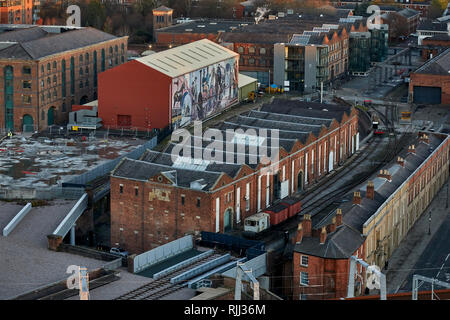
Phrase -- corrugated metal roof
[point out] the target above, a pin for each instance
(187, 58)
(244, 80)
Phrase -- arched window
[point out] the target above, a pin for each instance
(42, 69)
(240, 50)
(81, 84)
(81, 71)
(54, 65)
(86, 70)
(48, 66)
(122, 59)
(116, 48)
(54, 80)
(81, 58)
(48, 81)
(110, 50)
(122, 47)
(86, 56)
(55, 93)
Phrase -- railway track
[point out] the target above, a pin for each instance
(161, 287)
(316, 206)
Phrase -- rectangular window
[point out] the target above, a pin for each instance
(26, 84)
(182, 199)
(198, 202)
(304, 261)
(121, 188)
(136, 191)
(26, 70)
(304, 281)
(27, 99)
(247, 197)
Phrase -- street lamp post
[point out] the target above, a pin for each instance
(429, 224)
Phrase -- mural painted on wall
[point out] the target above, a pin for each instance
(203, 92)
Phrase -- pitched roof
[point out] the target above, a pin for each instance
(439, 65)
(428, 25)
(163, 8)
(34, 43)
(187, 58)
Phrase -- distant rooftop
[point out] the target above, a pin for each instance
(439, 65)
(204, 26)
(187, 58)
(35, 43)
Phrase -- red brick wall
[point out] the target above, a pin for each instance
(136, 90)
(182, 38)
(428, 80)
(38, 105)
(130, 211)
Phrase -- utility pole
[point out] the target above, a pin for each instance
(429, 224)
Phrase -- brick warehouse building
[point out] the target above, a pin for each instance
(16, 12)
(430, 84)
(370, 223)
(255, 43)
(45, 73)
(169, 88)
(155, 200)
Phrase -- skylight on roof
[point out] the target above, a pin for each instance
(191, 163)
(248, 140)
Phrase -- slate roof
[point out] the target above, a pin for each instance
(143, 171)
(439, 65)
(428, 25)
(348, 237)
(34, 43)
(203, 26)
(408, 13)
(340, 244)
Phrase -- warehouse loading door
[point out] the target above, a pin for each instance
(429, 95)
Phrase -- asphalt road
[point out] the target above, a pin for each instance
(435, 260)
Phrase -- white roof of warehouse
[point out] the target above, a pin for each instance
(244, 80)
(187, 58)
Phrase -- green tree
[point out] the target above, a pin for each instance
(144, 7)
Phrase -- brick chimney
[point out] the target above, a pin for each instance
(332, 226)
(299, 235)
(338, 217)
(370, 191)
(424, 138)
(356, 197)
(401, 161)
(412, 149)
(323, 235)
(385, 174)
(307, 225)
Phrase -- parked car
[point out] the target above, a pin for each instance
(119, 251)
(184, 20)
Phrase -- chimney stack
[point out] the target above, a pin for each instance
(412, 149)
(333, 225)
(356, 197)
(307, 225)
(370, 190)
(385, 174)
(401, 161)
(338, 217)
(299, 235)
(424, 138)
(323, 235)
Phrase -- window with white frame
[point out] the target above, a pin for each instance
(304, 261)
(304, 280)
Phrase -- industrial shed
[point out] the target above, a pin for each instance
(246, 85)
(169, 88)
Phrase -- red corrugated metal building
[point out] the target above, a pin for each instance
(172, 87)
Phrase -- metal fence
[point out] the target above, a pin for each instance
(106, 168)
(162, 253)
